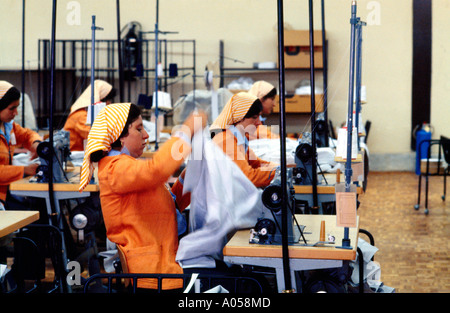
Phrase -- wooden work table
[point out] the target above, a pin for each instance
(328, 188)
(301, 257)
(239, 244)
(73, 174)
(12, 220)
(61, 191)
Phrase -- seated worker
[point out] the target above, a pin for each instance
(76, 121)
(138, 207)
(239, 117)
(12, 135)
(265, 92)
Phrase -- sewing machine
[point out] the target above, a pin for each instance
(60, 153)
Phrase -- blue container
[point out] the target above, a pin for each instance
(421, 150)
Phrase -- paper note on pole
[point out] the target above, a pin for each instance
(346, 209)
(341, 148)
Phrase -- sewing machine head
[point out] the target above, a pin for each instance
(60, 153)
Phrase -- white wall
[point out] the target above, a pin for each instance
(248, 28)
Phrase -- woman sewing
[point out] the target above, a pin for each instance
(12, 135)
(76, 121)
(138, 207)
(238, 119)
(266, 93)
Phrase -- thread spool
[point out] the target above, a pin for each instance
(173, 70)
(322, 231)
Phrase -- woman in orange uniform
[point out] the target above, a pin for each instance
(240, 117)
(265, 92)
(76, 121)
(138, 207)
(12, 135)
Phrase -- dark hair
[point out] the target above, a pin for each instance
(271, 94)
(13, 94)
(133, 115)
(255, 109)
(110, 96)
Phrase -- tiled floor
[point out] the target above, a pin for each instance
(413, 247)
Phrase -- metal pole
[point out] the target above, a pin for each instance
(358, 75)
(348, 164)
(284, 226)
(156, 75)
(325, 72)
(119, 51)
(59, 217)
(23, 63)
(92, 68)
(93, 28)
(313, 107)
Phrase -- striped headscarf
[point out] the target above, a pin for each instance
(107, 127)
(234, 111)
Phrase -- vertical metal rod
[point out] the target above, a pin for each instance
(325, 72)
(284, 226)
(119, 51)
(358, 77)
(23, 63)
(52, 152)
(313, 106)
(348, 164)
(92, 68)
(156, 75)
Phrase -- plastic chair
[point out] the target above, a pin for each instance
(444, 150)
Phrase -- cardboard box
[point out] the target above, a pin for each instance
(296, 49)
(299, 103)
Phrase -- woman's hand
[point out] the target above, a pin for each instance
(195, 122)
(30, 170)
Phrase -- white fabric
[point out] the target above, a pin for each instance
(223, 200)
(269, 150)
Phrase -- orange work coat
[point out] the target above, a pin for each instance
(259, 171)
(9, 173)
(79, 131)
(139, 211)
(263, 132)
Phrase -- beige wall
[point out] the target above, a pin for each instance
(248, 28)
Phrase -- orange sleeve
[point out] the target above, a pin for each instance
(80, 125)
(144, 174)
(177, 189)
(25, 136)
(263, 132)
(10, 173)
(259, 176)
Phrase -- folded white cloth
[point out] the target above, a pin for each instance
(223, 200)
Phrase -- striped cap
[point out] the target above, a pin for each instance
(107, 127)
(4, 87)
(234, 111)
